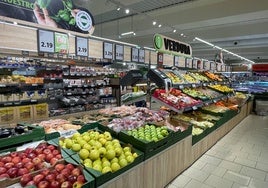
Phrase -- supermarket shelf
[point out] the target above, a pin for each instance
(142, 98)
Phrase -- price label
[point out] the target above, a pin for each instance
(119, 52)
(107, 50)
(81, 46)
(134, 54)
(181, 86)
(194, 63)
(193, 85)
(141, 56)
(194, 108)
(45, 41)
(61, 43)
(188, 63)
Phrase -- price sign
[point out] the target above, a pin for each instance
(81, 46)
(188, 63)
(119, 52)
(61, 43)
(107, 50)
(141, 56)
(135, 54)
(45, 41)
(199, 64)
(194, 63)
(212, 66)
(206, 65)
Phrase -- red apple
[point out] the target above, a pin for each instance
(6, 159)
(2, 170)
(19, 165)
(28, 150)
(22, 155)
(31, 155)
(51, 147)
(59, 167)
(38, 178)
(3, 176)
(16, 160)
(30, 183)
(81, 179)
(53, 171)
(41, 156)
(12, 172)
(69, 166)
(54, 184)
(13, 154)
(50, 177)
(22, 171)
(60, 178)
(26, 160)
(36, 160)
(25, 179)
(40, 166)
(49, 157)
(55, 152)
(72, 178)
(53, 161)
(2, 164)
(76, 171)
(45, 172)
(9, 165)
(66, 172)
(29, 166)
(66, 184)
(43, 184)
(38, 151)
(46, 151)
(58, 156)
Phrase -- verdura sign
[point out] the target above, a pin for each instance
(167, 45)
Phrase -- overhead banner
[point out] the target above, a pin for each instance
(170, 46)
(51, 13)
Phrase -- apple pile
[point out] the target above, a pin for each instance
(61, 176)
(16, 164)
(99, 151)
(149, 133)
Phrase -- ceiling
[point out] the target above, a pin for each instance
(240, 26)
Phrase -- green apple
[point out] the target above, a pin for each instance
(83, 154)
(108, 142)
(114, 160)
(92, 142)
(118, 151)
(114, 141)
(130, 158)
(61, 143)
(110, 154)
(86, 138)
(76, 147)
(87, 146)
(106, 163)
(104, 159)
(75, 135)
(88, 165)
(68, 142)
(87, 161)
(127, 153)
(102, 151)
(94, 154)
(115, 167)
(117, 145)
(107, 136)
(109, 147)
(123, 162)
(97, 162)
(82, 142)
(135, 155)
(122, 156)
(101, 136)
(106, 169)
(102, 141)
(97, 167)
(98, 144)
(127, 149)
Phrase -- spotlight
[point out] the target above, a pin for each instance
(127, 11)
(154, 22)
(159, 25)
(174, 31)
(118, 8)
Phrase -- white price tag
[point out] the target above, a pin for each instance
(107, 50)
(194, 107)
(46, 41)
(81, 46)
(119, 52)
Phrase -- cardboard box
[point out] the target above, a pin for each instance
(25, 113)
(7, 115)
(40, 111)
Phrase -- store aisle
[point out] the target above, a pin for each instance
(240, 159)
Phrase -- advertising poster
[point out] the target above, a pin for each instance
(61, 43)
(62, 14)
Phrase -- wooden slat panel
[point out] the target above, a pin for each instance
(147, 56)
(127, 53)
(168, 60)
(72, 45)
(153, 58)
(95, 48)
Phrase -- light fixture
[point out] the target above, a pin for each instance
(128, 33)
(118, 8)
(15, 23)
(148, 48)
(181, 34)
(134, 33)
(174, 30)
(159, 25)
(127, 11)
(154, 22)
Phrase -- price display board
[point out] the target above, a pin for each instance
(107, 50)
(179, 61)
(61, 43)
(81, 46)
(45, 41)
(194, 63)
(141, 56)
(189, 63)
(212, 66)
(134, 54)
(119, 52)
(206, 65)
(199, 64)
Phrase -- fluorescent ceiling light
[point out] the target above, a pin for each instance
(154, 22)
(118, 8)
(148, 48)
(181, 34)
(196, 38)
(174, 31)
(159, 25)
(127, 11)
(128, 33)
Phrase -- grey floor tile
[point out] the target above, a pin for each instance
(211, 159)
(254, 183)
(196, 174)
(262, 166)
(199, 164)
(218, 182)
(215, 170)
(253, 157)
(254, 173)
(238, 178)
(171, 186)
(195, 184)
(245, 162)
(237, 185)
(181, 181)
(231, 166)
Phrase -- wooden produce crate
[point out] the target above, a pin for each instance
(8, 115)
(40, 111)
(25, 113)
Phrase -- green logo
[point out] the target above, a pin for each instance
(158, 42)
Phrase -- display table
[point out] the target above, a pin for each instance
(161, 169)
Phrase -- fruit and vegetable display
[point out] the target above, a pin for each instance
(18, 130)
(57, 125)
(199, 76)
(61, 175)
(189, 78)
(175, 98)
(139, 118)
(212, 76)
(230, 104)
(120, 111)
(215, 108)
(17, 79)
(174, 78)
(89, 118)
(29, 160)
(195, 93)
(99, 151)
(149, 133)
(222, 88)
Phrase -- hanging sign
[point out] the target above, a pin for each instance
(81, 46)
(141, 56)
(45, 41)
(60, 14)
(134, 54)
(107, 50)
(168, 45)
(119, 52)
(61, 43)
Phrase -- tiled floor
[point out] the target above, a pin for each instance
(240, 159)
